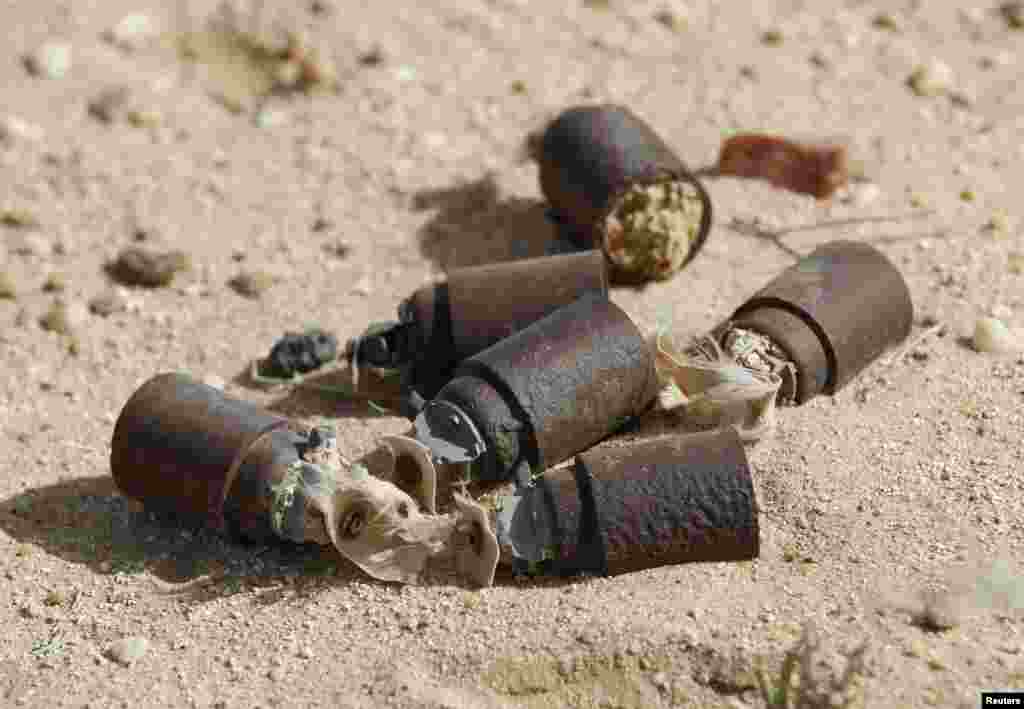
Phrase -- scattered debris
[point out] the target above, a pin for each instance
(299, 353)
(7, 289)
(110, 301)
(247, 64)
(1015, 262)
(13, 129)
(18, 217)
(64, 318)
(109, 104)
(374, 56)
(1013, 14)
(144, 117)
(992, 335)
(133, 32)
(270, 117)
(54, 283)
(670, 19)
(51, 60)
(139, 266)
(128, 651)
(886, 21)
(714, 389)
(931, 79)
(816, 169)
(801, 684)
(252, 284)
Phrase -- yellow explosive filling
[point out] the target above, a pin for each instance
(653, 227)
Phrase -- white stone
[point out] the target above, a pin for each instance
(51, 60)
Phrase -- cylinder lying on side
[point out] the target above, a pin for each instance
(180, 446)
(479, 306)
(627, 506)
(549, 391)
(616, 185)
(190, 449)
(823, 320)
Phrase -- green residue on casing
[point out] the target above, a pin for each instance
(283, 496)
(653, 228)
(505, 448)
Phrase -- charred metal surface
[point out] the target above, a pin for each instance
(590, 155)
(188, 448)
(669, 500)
(834, 312)
(481, 305)
(556, 387)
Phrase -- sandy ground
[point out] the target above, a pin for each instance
(908, 482)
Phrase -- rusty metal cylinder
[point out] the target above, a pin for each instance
(636, 505)
(832, 313)
(589, 156)
(187, 448)
(478, 306)
(556, 387)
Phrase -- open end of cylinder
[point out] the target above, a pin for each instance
(654, 229)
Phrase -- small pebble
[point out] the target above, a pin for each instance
(128, 651)
(288, 74)
(108, 302)
(299, 353)
(374, 56)
(54, 283)
(363, 287)
(1013, 14)
(252, 284)
(18, 217)
(108, 104)
(1015, 263)
(886, 21)
(772, 38)
(865, 194)
(13, 129)
(931, 79)
(137, 266)
(992, 335)
(269, 117)
(305, 653)
(132, 32)
(7, 289)
(51, 60)
(64, 318)
(669, 19)
(144, 117)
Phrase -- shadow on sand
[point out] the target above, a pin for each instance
(473, 224)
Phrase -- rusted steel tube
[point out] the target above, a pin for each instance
(475, 307)
(627, 506)
(191, 449)
(554, 388)
(589, 158)
(180, 445)
(832, 313)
